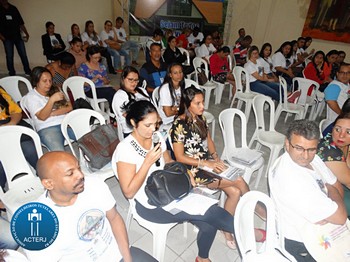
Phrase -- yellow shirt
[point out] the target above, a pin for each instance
(13, 107)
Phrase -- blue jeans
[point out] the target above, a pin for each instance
(270, 89)
(133, 47)
(116, 57)
(53, 139)
(21, 49)
(298, 251)
(6, 239)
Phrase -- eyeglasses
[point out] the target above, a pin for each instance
(338, 129)
(132, 80)
(302, 150)
(344, 73)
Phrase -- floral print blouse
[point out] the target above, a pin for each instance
(328, 151)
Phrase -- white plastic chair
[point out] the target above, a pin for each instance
(76, 86)
(188, 61)
(27, 186)
(305, 100)
(285, 106)
(243, 94)
(209, 116)
(227, 122)
(159, 231)
(11, 84)
(273, 248)
(221, 86)
(79, 121)
(24, 105)
(207, 87)
(267, 137)
(323, 124)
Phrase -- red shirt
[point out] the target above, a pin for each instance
(184, 40)
(310, 72)
(218, 64)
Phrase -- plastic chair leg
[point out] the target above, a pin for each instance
(207, 99)
(159, 244)
(258, 177)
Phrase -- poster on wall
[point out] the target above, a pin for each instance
(328, 20)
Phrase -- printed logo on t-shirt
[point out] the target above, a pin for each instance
(90, 224)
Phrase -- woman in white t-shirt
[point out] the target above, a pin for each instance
(281, 63)
(129, 92)
(135, 159)
(170, 94)
(266, 62)
(259, 82)
(206, 49)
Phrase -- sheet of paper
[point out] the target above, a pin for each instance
(193, 204)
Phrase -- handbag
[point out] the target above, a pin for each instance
(98, 145)
(164, 186)
(327, 242)
(202, 77)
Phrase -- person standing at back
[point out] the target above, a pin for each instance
(11, 25)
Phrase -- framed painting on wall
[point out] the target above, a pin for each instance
(328, 20)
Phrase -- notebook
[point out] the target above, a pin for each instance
(245, 156)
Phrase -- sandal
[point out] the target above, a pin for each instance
(230, 243)
(263, 238)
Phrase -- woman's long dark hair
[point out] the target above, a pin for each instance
(261, 54)
(131, 97)
(168, 80)
(198, 123)
(4, 104)
(138, 110)
(282, 46)
(314, 64)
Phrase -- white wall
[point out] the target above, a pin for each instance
(63, 14)
(275, 21)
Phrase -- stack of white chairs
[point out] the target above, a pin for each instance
(273, 249)
(23, 185)
(79, 121)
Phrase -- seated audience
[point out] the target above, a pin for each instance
(240, 50)
(182, 40)
(266, 62)
(300, 168)
(135, 159)
(329, 66)
(156, 38)
(194, 147)
(259, 81)
(90, 227)
(172, 54)
(337, 92)
(52, 43)
(206, 49)
(168, 33)
(217, 39)
(333, 149)
(130, 91)
(308, 41)
(125, 42)
(241, 35)
(76, 49)
(110, 41)
(281, 63)
(48, 106)
(75, 33)
(170, 95)
(97, 73)
(195, 38)
(91, 38)
(314, 70)
(62, 69)
(338, 61)
(296, 59)
(154, 70)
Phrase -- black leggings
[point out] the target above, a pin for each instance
(216, 218)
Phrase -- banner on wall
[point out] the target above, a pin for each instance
(328, 20)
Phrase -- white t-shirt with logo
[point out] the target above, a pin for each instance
(121, 34)
(85, 233)
(106, 36)
(166, 100)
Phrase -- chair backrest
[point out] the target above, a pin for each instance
(189, 82)
(11, 154)
(259, 102)
(323, 124)
(283, 90)
(230, 65)
(79, 121)
(244, 227)
(197, 62)
(76, 85)
(183, 50)
(238, 72)
(227, 123)
(155, 97)
(304, 85)
(11, 84)
(24, 105)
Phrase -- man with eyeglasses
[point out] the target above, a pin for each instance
(303, 188)
(337, 92)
